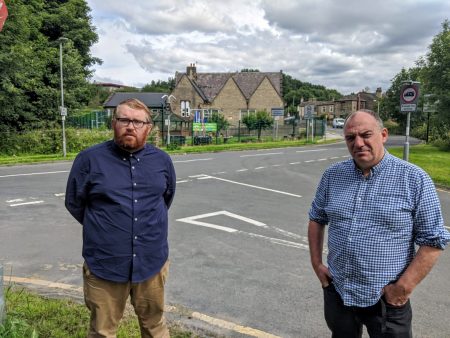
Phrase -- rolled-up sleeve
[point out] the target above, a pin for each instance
(317, 211)
(428, 222)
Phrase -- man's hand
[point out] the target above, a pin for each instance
(323, 274)
(396, 294)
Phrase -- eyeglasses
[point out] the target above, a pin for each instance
(124, 122)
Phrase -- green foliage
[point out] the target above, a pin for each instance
(222, 122)
(295, 90)
(29, 61)
(159, 86)
(259, 121)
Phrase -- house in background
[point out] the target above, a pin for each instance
(343, 106)
(231, 94)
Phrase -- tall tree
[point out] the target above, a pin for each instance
(29, 61)
(435, 74)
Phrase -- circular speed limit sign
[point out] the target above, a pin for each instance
(409, 94)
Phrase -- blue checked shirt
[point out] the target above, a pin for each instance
(374, 223)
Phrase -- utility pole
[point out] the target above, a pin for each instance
(63, 110)
(409, 95)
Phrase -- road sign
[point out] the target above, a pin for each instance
(3, 14)
(277, 112)
(309, 111)
(409, 95)
(63, 111)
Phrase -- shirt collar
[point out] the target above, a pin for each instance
(375, 170)
(121, 152)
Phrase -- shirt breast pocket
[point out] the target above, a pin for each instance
(394, 212)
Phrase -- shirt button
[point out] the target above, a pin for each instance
(134, 184)
(124, 159)
(134, 255)
(135, 237)
(135, 219)
(135, 201)
(132, 167)
(138, 160)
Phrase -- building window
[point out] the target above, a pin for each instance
(185, 108)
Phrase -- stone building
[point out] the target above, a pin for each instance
(231, 94)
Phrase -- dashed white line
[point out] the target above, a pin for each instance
(257, 168)
(26, 203)
(295, 162)
(182, 181)
(307, 151)
(16, 200)
(31, 174)
(334, 157)
(322, 159)
(195, 160)
(263, 154)
(309, 161)
(276, 165)
(219, 173)
(60, 194)
(240, 170)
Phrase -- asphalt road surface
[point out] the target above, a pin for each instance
(238, 245)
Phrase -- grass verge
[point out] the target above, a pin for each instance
(31, 315)
(434, 161)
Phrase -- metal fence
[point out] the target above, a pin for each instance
(91, 120)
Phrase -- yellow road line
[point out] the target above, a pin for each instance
(168, 308)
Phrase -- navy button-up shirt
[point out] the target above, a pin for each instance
(122, 201)
(374, 222)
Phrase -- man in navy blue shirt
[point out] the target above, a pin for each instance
(377, 208)
(120, 191)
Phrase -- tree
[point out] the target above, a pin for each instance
(29, 61)
(259, 121)
(222, 122)
(435, 75)
(160, 86)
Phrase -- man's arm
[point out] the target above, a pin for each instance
(315, 238)
(398, 293)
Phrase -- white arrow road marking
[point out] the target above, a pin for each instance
(26, 203)
(194, 220)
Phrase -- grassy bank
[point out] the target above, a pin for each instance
(434, 161)
(33, 316)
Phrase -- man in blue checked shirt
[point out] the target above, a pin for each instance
(377, 208)
(121, 191)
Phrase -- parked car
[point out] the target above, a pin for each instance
(338, 122)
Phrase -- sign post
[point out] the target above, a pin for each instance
(409, 95)
(309, 112)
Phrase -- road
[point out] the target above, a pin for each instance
(238, 243)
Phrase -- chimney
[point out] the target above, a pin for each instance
(191, 71)
(379, 92)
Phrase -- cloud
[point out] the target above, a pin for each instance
(346, 46)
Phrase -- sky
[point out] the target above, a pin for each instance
(346, 45)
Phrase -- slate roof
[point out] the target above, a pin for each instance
(208, 85)
(152, 100)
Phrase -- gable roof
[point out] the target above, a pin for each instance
(209, 85)
(151, 100)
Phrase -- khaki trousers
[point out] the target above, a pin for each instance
(106, 300)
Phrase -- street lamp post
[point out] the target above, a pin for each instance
(167, 99)
(62, 109)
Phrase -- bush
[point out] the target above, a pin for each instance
(393, 127)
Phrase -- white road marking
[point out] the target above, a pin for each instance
(252, 155)
(334, 157)
(447, 227)
(276, 165)
(183, 181)
(195, 160)
(345, 156)
(257, 168)
(26, 203)
(248, 185)
(307, 151)
(31, 174)
(322, 159)
(60, 194)
(241, 170)
(196, 176)
(194, 220)
(295, 162)
(310, 161)
(16, 200)
(219, 173)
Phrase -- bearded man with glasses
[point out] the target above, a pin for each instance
(121, 191)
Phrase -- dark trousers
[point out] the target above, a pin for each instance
(381, 319)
